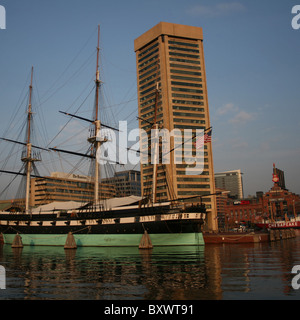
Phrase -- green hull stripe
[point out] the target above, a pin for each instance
(109, 240)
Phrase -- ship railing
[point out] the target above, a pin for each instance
(295, 219)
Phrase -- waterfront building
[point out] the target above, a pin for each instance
(171, 71)
(280, 203)
(66, 187)
(126, 183)
(276, 204)
(231, 181)
(246, 211)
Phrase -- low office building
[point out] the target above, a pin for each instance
(126, 183)
(231, 181)
(66, 187)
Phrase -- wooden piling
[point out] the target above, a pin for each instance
(17, 242)
(70, 242)
(1, 238)
(277, 234)
(293, 233)
(272, 235)
(145, 241)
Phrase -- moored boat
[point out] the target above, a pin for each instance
(280, 224)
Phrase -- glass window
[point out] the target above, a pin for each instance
(198, 193)
(148, 61)
(189, 120)
(187, 96)
(186, 72)
(148, 90)
(186, 90)
(184, 49)
(153, 76)
(187, 44)
(147, 97)
(179, 126)
(188, 108)
(147, 68)
(183, 66)
(193, 56)
(188, 84)
(186, 78)
(182, 114)
(185, 60)
(148, 50)
(148, 55)
(149, 84)
(194, 179)
(200, 103)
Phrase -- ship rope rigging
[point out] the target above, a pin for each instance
(30, 155)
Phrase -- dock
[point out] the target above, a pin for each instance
(249, 237)
(236, 237)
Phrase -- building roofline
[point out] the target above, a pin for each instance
(170, 29)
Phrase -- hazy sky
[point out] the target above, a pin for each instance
(252, 57)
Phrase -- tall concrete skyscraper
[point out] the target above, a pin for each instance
(172, 92)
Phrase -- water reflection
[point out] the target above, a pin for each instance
(254, 271)
(103, 273)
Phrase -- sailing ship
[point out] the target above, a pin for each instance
(113, 222)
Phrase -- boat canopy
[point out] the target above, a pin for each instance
(57, 206)
(120, 202)
(73, 205)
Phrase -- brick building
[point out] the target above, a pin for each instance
(280, 203)
(276, 204)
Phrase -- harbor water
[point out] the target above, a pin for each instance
(214, 272)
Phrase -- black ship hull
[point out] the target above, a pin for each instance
(121, 227)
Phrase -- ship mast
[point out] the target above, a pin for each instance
(156, 147)
(97, 126)
(28, 158)
(95, 137)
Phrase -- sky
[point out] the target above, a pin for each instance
(252, 68)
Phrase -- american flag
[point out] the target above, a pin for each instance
(205, 138)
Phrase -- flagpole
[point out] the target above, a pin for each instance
(186, 141)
